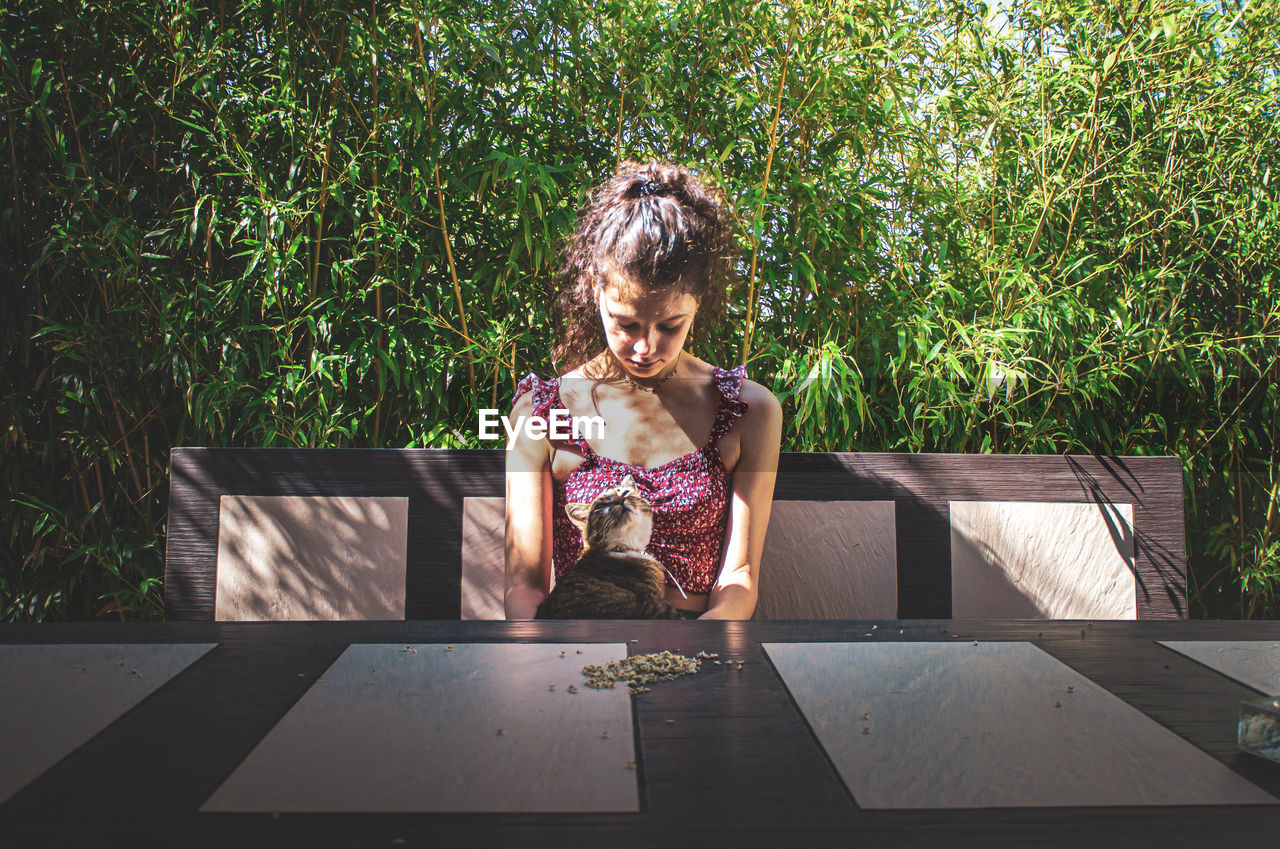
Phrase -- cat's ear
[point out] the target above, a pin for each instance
(628, 484)
(578, 515)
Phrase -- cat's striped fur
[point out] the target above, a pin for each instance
(613, 578)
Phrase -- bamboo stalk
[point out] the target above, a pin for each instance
(377, 264)
(312, 282)
(444, 224)
(453, 274)
(764, 190)
(19, 249)
(146, 465)
(133, 469)
(1235, 445)
(622, 94)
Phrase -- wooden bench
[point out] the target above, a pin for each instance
(257, 533)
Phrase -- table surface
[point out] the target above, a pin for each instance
(739, 766)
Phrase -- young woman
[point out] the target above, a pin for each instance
(648, 261)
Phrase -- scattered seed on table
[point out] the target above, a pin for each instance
(1071, 689)
(300, 674)
(631, 764)
(573, 689)
(499, 732)
(669, 721)
(866, 731)
(604, 736)
(640, 669)
(562, 654)
(579, 651)
(866, 716)
(397, 841)
(551, 687)
(874, 627)
(1057, 704)
(448, 648)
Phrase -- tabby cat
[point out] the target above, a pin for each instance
(613, 578)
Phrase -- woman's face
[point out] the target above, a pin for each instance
(645, 330)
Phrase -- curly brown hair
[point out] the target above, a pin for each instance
(658, 225)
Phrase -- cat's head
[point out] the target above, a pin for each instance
(617, 519)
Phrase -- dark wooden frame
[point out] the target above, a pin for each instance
(436, 480)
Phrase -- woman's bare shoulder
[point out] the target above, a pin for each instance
(762, 404)
(523, 406)
(752, 391)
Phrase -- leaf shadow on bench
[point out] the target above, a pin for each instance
(290, 538)
(311, 557)
(920, 524)
(1165, 562)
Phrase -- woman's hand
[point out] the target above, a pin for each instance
(528, 524)
(760, 435)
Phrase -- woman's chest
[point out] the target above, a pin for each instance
(644, 432)
(688, 496)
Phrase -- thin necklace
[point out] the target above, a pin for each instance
(654, 388)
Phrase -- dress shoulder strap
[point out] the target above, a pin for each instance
(729, 383)
(546, 397)
(544, 393)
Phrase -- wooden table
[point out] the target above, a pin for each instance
(739, 765)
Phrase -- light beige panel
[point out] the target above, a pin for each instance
(829, 560)
(990, 725)
(1031, 560)
(54, 698)
(311, 557)
(429, 728)
(1254, 663)
(483, 557)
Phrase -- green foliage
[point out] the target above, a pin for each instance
(1031, 227)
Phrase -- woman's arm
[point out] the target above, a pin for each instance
(736, 590)
(528, 525)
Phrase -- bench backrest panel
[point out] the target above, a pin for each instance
(921, 489)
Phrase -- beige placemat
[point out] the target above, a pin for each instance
(1254, 663)
(991, 725)
(422, 728)
(55, 697)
